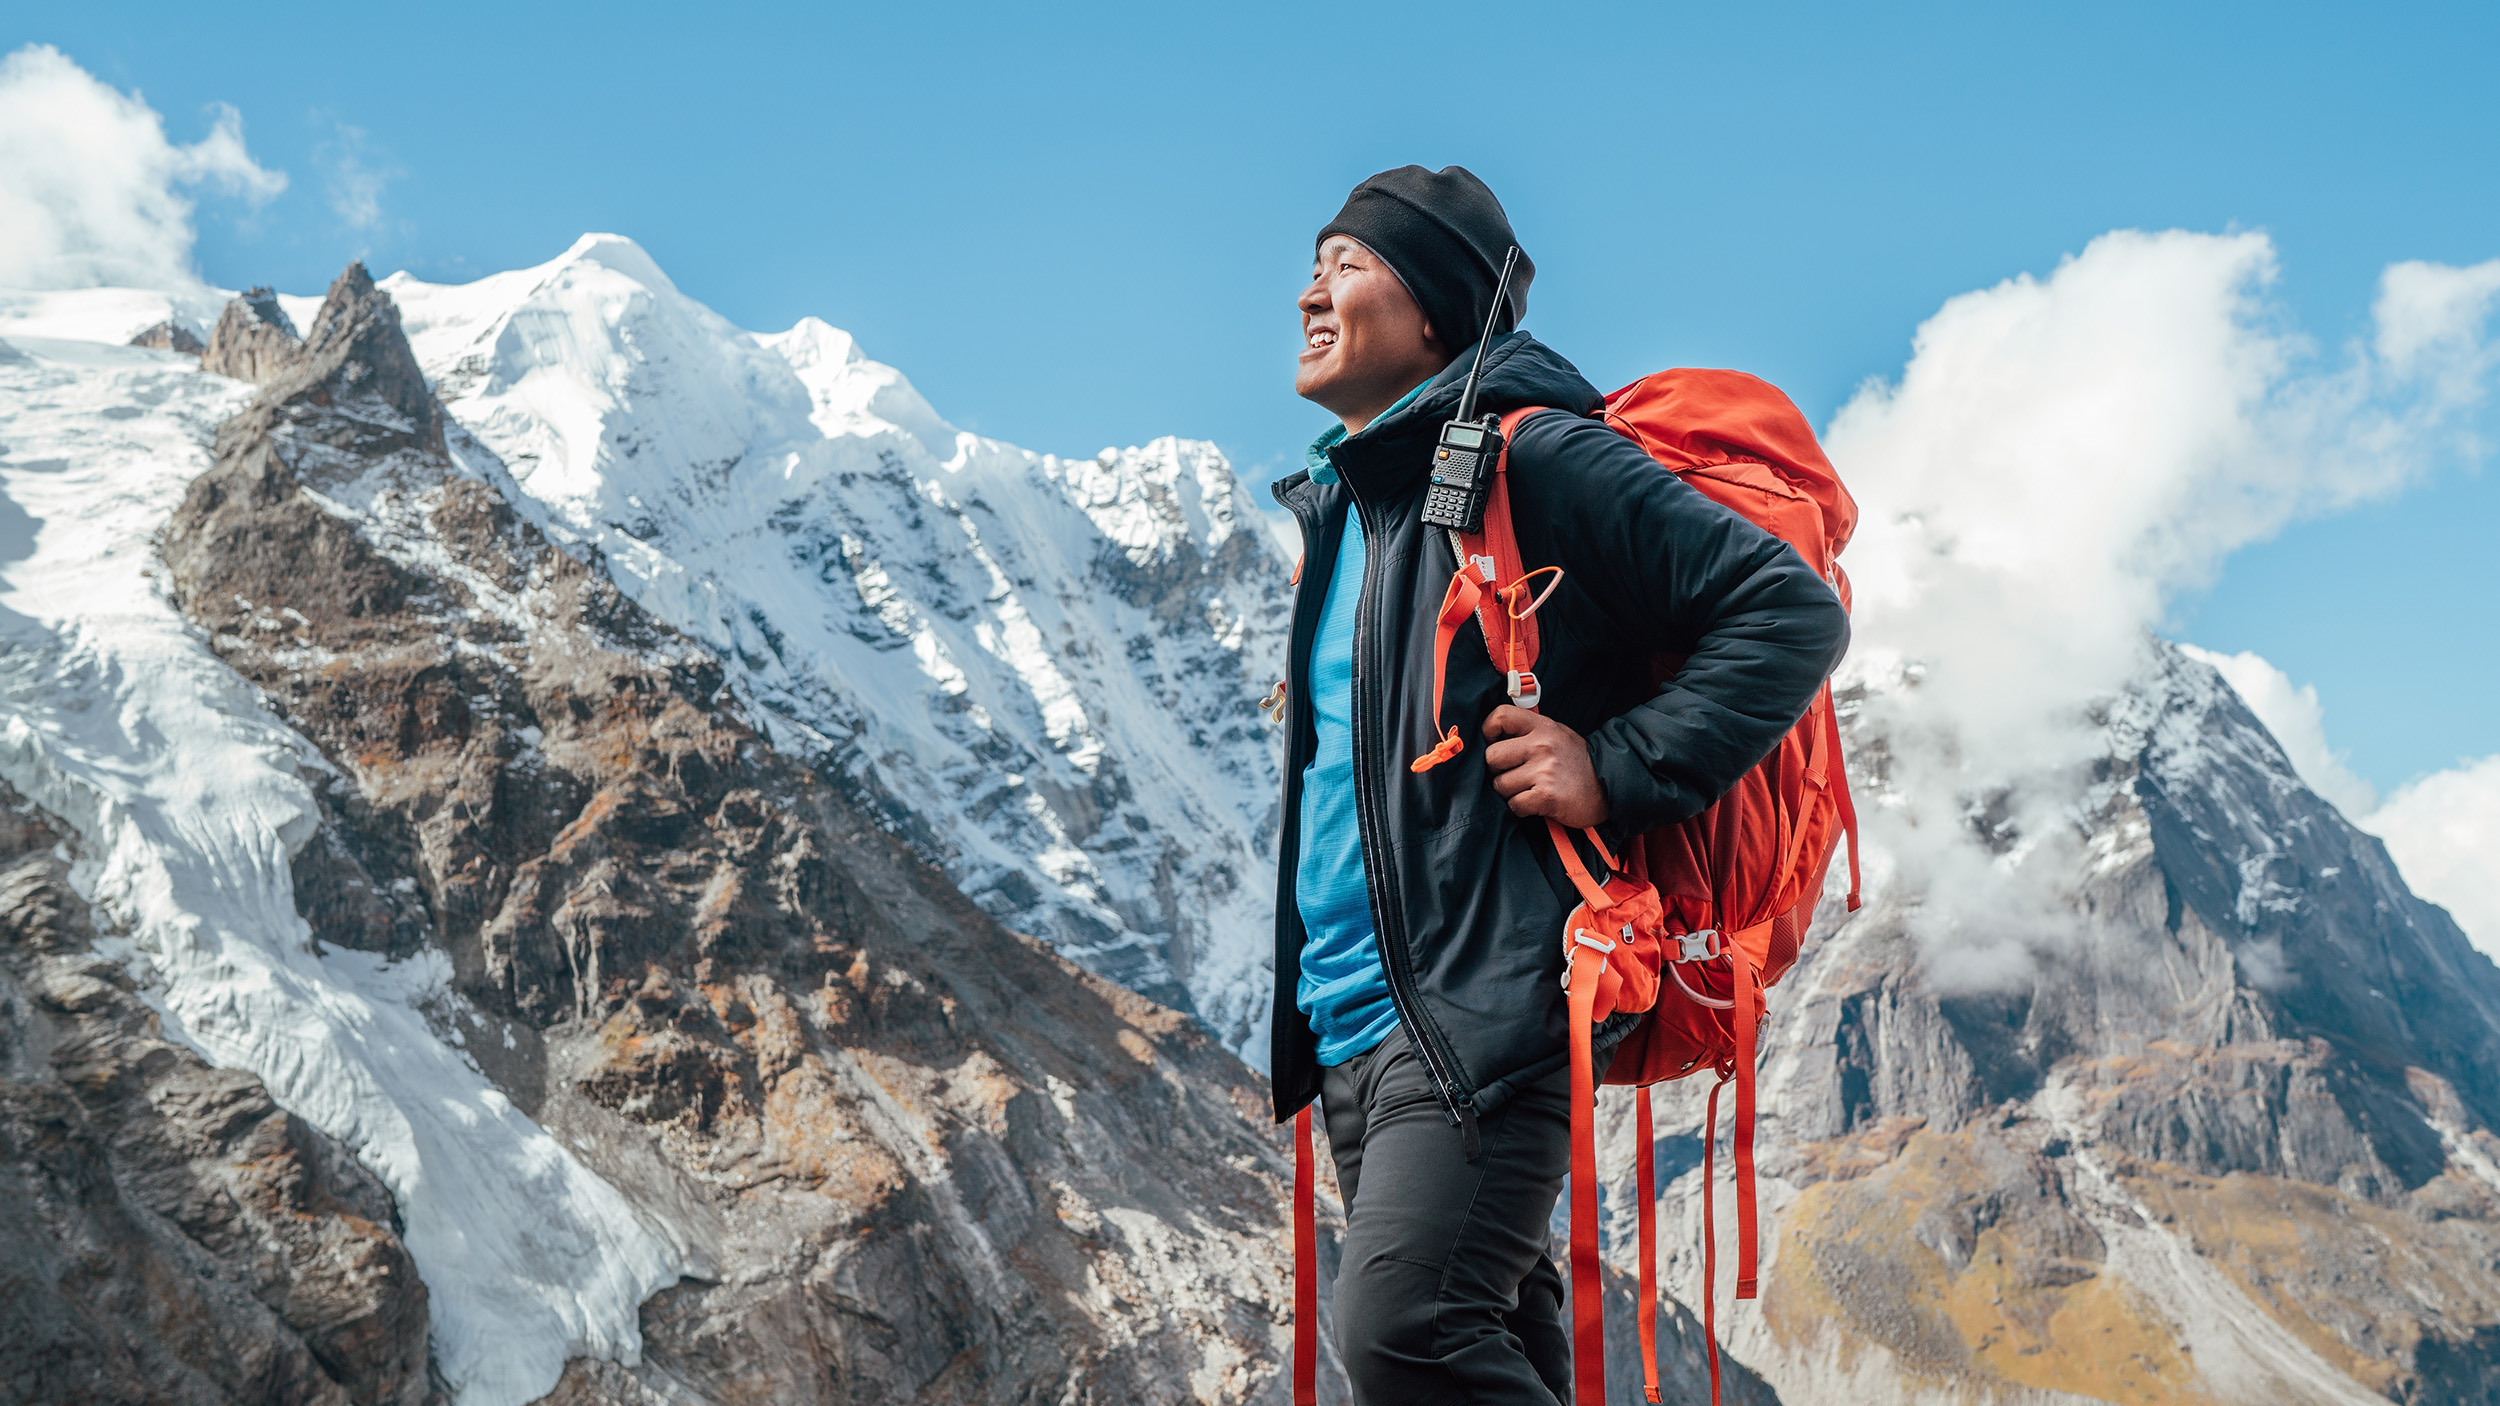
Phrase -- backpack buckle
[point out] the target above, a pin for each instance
(1697, 946)
(1580, 938)
(1523, 689)
(1484, 568)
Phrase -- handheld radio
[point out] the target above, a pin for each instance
(1463, 460)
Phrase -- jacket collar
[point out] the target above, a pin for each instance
(1315, 458)
(1389, 457)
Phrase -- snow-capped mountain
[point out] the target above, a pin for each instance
(1041, 671)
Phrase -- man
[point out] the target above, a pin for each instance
(1419, 916)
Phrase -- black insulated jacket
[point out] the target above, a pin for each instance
(1467, 899)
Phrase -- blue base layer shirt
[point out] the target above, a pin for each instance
(1342, 989)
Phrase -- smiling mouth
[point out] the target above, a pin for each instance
(1322, 338)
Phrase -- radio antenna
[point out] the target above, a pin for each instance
(1467, 398)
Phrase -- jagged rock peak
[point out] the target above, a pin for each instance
(262, 302)
(171, 335)
(254, 339)
(356, 347)
(355, 356)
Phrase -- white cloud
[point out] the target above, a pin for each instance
(2060, 458)
(354, 178)
(2444, 832)
(2292, 713)
(91, 192)
(2433, 310)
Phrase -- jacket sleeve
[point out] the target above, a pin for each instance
(1673, 572)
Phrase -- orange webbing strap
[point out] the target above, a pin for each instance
(1840, 788)
(1747, 984)
(1510, 639)
(1590, 890)
(1818, 768)
(1710, 1237)
(1645, 1166)
(1305, 1267)
(1588, 1293)
(1457, 603)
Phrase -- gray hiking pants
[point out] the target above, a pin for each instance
(1445, 1293)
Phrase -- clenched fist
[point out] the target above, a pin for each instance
(1542, 768)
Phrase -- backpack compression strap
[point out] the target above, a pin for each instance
(1588, 1293)
(1588, 1315)
(1710, 1236)
(1743, 1077)
(1305, 1267)
(1645, 1168)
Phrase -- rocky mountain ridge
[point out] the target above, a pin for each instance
(872, 1114)
(1041, 672)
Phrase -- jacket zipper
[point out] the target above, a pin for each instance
(1388, 914)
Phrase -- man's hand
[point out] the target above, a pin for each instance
(1542, 768)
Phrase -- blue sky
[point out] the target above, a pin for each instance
(1084, 227)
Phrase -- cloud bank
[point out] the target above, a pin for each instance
(2444, 831)
(353, 177)
(91, 192)
(2060, 458)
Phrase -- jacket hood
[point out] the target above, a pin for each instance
(1390, 454)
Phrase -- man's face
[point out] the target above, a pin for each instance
(1364, 340)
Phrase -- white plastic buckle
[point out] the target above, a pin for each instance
(1580, 936)
(1484, 569)
(1523, 689)
(1697, 946)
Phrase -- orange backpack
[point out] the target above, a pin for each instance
(1695, 920)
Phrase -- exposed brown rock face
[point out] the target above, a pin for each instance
(172, 336)
(253, 339)
(167, 1234)
(928, 1160)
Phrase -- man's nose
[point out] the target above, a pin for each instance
(1314, 298)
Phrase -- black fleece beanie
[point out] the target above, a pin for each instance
(1445, 235)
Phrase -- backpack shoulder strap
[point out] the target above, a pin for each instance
(1506, 611)
(1494, 586)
